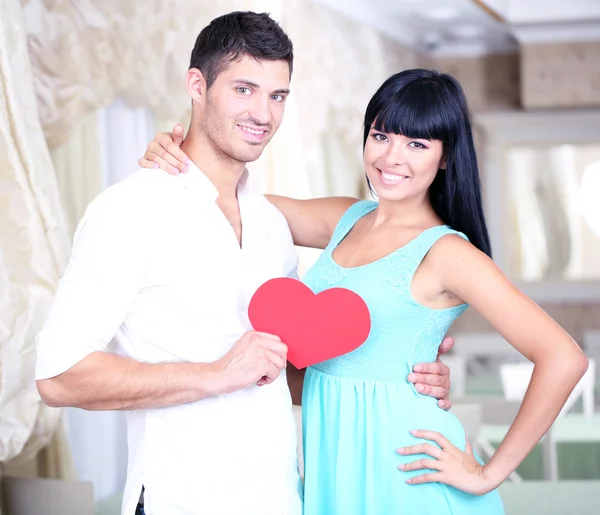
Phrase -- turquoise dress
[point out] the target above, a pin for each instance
(359, 408)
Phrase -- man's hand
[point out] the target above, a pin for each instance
(256, 358)
(433, 379)
(164, 152)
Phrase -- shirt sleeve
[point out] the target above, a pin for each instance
(291, 264)
(105, 273)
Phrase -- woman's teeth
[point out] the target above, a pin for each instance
(393, 178)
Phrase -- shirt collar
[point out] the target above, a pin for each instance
(196, 180)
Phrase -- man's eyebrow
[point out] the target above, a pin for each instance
(249, 83)
(245, 82)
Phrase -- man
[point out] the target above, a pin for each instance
(151, 315)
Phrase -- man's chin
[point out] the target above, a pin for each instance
(249, 154)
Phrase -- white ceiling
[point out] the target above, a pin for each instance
(472, 27)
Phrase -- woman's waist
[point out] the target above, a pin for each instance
(392, 367)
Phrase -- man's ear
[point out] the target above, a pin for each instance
(196, 84)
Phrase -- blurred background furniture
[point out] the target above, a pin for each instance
(25, 496)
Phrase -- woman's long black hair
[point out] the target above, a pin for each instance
(430, 105)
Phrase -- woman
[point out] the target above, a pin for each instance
(418, 257)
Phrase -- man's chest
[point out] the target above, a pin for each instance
(196, 260)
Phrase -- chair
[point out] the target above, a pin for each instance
(475, 347)
(515, 378)
(24, 496)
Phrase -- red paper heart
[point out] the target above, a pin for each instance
(314, 327)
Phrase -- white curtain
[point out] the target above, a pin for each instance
(78, 168)
(33, 246)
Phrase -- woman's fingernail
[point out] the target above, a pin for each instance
(401, 450)
(401, 467)
(417, 368)
(412, 377)
(409, 481)
(420, 388)
(413, 432)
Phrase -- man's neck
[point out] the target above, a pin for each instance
(223, 171)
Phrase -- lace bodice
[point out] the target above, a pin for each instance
(403, 332)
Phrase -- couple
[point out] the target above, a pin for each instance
(151, 315)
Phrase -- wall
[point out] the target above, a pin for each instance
(561, 75)
(549, 76)
(490, 82)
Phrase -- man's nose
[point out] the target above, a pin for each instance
(260, 110)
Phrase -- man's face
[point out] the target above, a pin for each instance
(244, 107)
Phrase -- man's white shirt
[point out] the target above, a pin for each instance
(157, 274)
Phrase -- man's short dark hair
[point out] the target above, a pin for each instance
(232, 36)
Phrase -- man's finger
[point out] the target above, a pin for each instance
(429, 379)
(446, 345)
(273, 374)
(445, 404)
(269, 336)
(437, 392)
(438, 368)
(278, 360)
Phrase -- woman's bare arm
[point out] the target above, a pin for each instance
(312, 222)
(559, 363)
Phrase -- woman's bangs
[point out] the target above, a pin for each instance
(415, 112)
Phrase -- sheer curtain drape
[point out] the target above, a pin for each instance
(33, 248)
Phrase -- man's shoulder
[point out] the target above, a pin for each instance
(132, 201)
(140, 189)
(273, 215)
(144, 182)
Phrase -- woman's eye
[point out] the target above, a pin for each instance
(417, 144)
(380, 137)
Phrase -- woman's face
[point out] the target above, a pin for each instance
(400, 168)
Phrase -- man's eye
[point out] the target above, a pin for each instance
(243, 90)
(278, 98)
